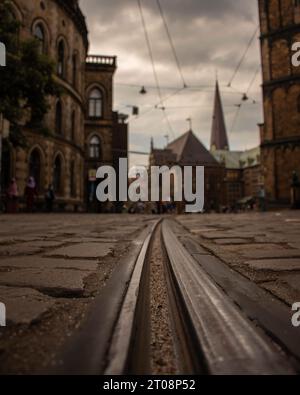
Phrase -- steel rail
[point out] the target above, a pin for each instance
(102, 345)
(230, 343)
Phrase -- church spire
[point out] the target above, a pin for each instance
(219, 139)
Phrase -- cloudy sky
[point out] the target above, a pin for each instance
(210, 37)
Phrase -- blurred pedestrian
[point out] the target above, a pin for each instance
(12, 195)
(262, 199)
(50, 198)
(30, 194)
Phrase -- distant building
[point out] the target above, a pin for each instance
(231, 177)
(84, 131)
(280, 133)
(243, 178)
(242, 168)
(187, 150)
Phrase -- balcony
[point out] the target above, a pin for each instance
(98, 60)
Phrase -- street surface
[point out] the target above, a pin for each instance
(53, 266)
(263, 247)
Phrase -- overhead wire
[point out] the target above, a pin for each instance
(239, 106)
(243, 56)
(162, 14)
(148, 42)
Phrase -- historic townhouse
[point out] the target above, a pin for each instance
(81, 121)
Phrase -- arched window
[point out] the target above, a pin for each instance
(57, 174)
(61, 59)
(73, 126)
(39, 34)
(74, 70)
(35, 166)
(72, 179)
(95, 148)
(58, 118)
(95, 103)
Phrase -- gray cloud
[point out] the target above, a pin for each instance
(209, 35)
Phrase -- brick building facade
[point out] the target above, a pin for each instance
(81, 121)
(280, 133)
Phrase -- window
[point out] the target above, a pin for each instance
(35, 166)
(95, 103)
(74, 70)
(73, 126)
(58, 118)
(61, 59)
(95, 148)
(39, 34)
(57, 173)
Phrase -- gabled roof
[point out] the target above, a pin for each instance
(219, 139)
(189, 150)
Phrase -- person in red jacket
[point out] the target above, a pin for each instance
(30, 194)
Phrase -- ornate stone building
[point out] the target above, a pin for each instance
(280, 134)
(81, 121)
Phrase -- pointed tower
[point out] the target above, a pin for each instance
(219, 139)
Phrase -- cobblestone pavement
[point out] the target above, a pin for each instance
(51, 268)
(264, 247)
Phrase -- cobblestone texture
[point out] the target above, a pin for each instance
(265, 247)
(51, 268)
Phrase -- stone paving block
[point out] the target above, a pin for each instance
(231, 241)
(24, 305)
(287, 288)
(46, 244)
(38, 262)
(223, 235)
(295, 245)
(293, 280)
(32, 238)
(51, 281)
(275, 264)
(20, 249)
(261, 253)
(89, 240)
(28, 248)
(84, 250)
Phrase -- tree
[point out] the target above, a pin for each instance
(26, 82)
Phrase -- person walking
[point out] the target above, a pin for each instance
(50, 198)
(12, 194)
(262, 199)
(30, 194)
